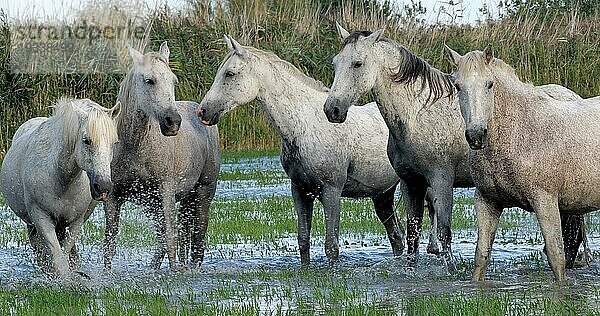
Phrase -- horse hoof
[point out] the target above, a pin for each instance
(434, 250)
(83, 274)
(411, 260)
(450, 265)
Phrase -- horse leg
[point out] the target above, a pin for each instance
(159, 228)
(55, 261)
(70, 236)
(572, 232)
(36, 244)
(200, 221)
(303, 203)
(62, 235)
(414, 200)
(185, 230)
(330, 198)
(384, 207)
(488, 216)
(548, 215)
(433, 245)
(441, 190)
(112, 212)
(168, 205)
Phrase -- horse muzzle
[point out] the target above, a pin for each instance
(100, 188)
(477, 137)
(170, 123)
(208, 118)
(333, 111)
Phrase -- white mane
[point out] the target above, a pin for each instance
(97, 122)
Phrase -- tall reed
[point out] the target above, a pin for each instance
(544, 47)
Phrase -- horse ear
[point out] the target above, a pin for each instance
(115, 111)
(164, 50)
(341, 31)
(228, 42)
(135, 55)
(454, 56)
(488, 54)
(81, 114)
(376, 36)
(237, 47)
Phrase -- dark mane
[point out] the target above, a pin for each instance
(413, 67)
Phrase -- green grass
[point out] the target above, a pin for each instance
(237, 156)
(262, 177)
(330, 295)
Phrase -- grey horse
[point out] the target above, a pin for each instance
(323, 161)
(52, 171)
(164, 156)
(426, 145)
(528, 150)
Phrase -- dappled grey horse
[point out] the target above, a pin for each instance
(52, 173)
(165, 156)
(323, 161)
(529, 151)
(426, 144)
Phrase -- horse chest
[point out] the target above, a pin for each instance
(497, 179)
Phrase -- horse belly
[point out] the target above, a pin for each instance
(12, 181)
(580, 195)
(369, 177)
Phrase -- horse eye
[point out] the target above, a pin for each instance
(87, 141)
(229, 74)
(357, 64)
(149, 81)
(489, 84)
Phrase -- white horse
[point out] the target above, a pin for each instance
(529, 151)
(323, 161)
(52, 171)
(157, 171)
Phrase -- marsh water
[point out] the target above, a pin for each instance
(266, 271)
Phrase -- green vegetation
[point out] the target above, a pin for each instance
(331, 295)
(553, 45)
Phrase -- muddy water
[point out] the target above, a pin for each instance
(366, 263)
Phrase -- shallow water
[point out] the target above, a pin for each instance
(250, 271)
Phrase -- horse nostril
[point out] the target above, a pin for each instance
(201, 112)
(96, 187)
(336, 111)
(169, 121)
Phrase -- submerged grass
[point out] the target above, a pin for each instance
(301, 293)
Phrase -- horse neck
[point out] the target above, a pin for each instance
(510, 105)
(134, 125)
(292, 106)
(399, 103)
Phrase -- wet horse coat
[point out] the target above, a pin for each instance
(323, 161)
(165, 156)
(529, 151)
(53, 170)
